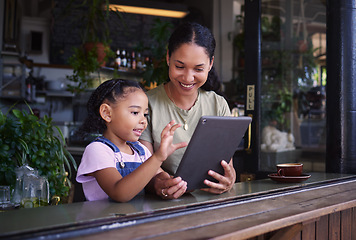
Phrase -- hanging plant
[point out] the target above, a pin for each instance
(93, 18)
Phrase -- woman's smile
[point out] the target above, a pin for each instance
(187, 85)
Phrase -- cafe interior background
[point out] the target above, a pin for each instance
(40, 37)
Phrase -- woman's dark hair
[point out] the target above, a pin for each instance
(110, 91)
(190, 32)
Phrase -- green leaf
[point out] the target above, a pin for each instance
(17, 113)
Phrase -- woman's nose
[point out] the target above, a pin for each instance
(189, 76)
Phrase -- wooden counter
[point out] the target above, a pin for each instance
(260, 208)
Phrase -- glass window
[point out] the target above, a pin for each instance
(293, 83)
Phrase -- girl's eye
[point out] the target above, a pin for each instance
(199, 69)
(146, 115)
(179, 67)
(134, 113)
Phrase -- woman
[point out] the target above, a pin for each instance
(189, 94)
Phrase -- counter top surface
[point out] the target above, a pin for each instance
(97, 213)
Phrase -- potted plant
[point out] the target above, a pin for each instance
(157, 70)
(94, 51)
(86, 68)
(36, 142)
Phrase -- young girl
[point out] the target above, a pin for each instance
(116, 165)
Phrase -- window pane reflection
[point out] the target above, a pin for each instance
(293, 84)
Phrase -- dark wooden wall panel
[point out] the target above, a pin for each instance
(298, 236)
(308, 231)
(334, 226)
(346, 220)
(338, 225)
(353, 224)
(321, 228)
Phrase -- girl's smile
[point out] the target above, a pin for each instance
(138, 132)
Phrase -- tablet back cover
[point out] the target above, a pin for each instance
(214, 139)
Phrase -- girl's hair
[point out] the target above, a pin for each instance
(191, 32)
(109, 91)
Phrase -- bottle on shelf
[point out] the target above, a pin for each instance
(139, 63)
(118, 59)
(30, 88)
(133, 61)
(123, 58)
(129, 63)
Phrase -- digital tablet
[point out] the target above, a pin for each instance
(214, 139)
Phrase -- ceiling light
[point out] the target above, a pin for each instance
(149, 8)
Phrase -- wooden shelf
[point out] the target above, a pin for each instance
(105, 69)
(46, 65)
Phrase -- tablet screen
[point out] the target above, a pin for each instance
(214, 139)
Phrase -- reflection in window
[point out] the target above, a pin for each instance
(293, 84)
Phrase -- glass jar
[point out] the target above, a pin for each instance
(31, 190)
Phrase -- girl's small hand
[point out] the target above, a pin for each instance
(167, 147)
(225, 183)
(168, 187)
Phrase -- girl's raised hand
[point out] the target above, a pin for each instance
(167, 147)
